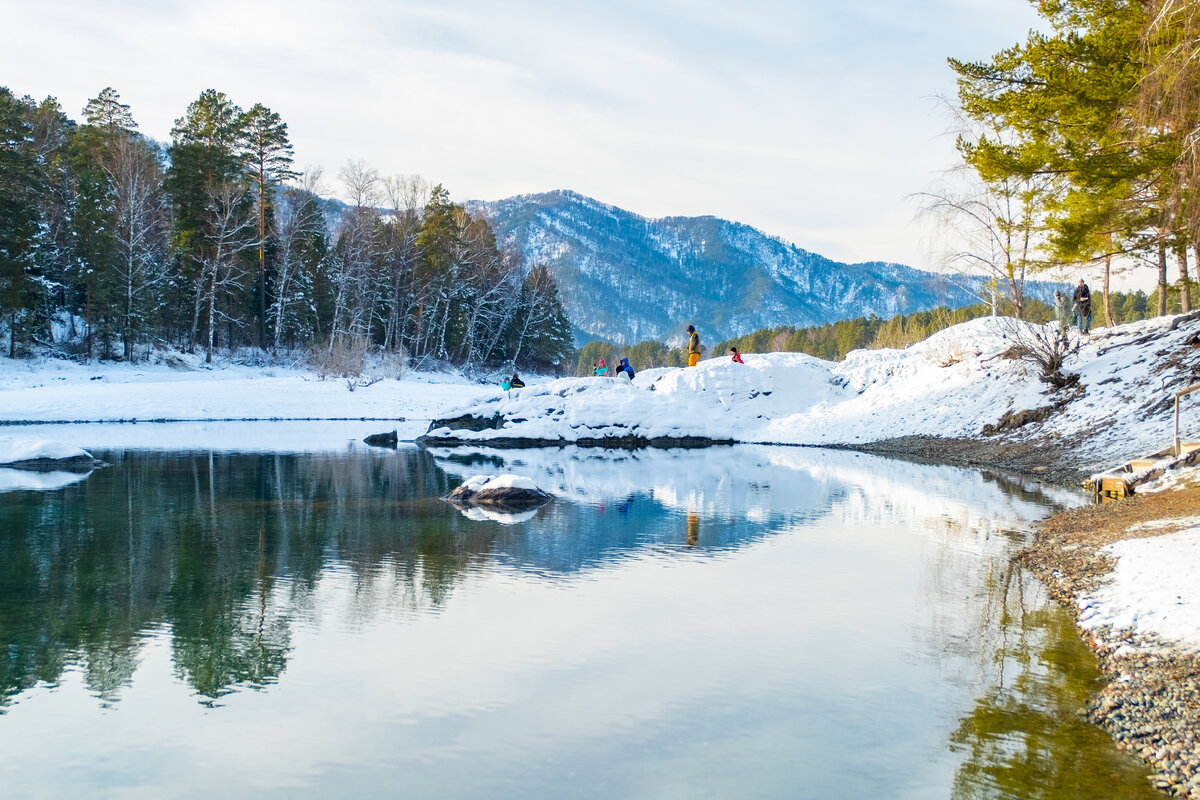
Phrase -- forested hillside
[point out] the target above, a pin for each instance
(112, 243)
(628, 278)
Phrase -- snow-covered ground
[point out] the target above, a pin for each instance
(951, 385)
(44, 390)
(1153, 589)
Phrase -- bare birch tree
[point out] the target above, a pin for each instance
(230, 232)
(142, 231)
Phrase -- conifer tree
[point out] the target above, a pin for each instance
(1064, 104)
(268, 154)
(540, 333)
(206, 166)
(21, 187)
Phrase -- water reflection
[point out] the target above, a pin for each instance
(790, 614)
(1025, 737)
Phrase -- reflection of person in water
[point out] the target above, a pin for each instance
(693, 528)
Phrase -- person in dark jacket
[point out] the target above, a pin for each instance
(516, 382)
(693, 346)
(1083, 307)
(624, 367)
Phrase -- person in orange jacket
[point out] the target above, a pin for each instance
(736, 356)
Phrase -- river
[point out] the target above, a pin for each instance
(230, 614)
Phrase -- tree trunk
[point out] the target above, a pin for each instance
(1185, 281)
(1108, 312)
(262, 268)
(1108, 309)
(1162, 280)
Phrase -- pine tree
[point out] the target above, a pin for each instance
(540, 333)
(21, 183)
(268, 154)
(206, 170)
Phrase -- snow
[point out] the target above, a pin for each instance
(1153, 589)
(507, 481)
(14, 450)
(950, 385)
(306, 436)
(185, 389)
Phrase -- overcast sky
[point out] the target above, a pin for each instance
(809, 119)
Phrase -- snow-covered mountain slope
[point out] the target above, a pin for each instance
(951, 385)
(627, 278)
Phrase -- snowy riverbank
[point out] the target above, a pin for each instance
(184, 388)
(951, 386)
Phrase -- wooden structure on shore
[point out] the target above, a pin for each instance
(1121, 481)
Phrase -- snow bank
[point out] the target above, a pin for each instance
(15, 451)
(1153, 589)
(951, 385)
(62, 391)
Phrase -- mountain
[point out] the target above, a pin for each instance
(626, 278)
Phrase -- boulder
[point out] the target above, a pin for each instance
(37, 454)
(502, 492)
(382, 439)
(468, 422)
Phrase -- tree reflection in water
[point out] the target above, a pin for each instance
(222, 553)
(222, 549)
(1025, 736)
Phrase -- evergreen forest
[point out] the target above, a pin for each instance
(112, 245)
(1081, 146)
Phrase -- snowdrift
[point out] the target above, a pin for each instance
(951, 385)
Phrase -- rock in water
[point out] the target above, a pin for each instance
(504, 492)
(382, 439)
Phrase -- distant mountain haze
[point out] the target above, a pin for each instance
(626, 278)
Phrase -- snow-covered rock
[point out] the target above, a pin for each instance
(42, 454)
(505, 492)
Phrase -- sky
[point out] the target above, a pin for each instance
(810, 120)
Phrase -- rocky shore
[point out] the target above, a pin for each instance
(1151, 705)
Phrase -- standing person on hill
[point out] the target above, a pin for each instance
(1083, 306)
(602, 370)
(735, 355)
(693, 346)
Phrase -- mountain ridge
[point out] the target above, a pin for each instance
(627, 278)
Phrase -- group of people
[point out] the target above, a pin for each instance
(600, 368)
(514, 382)
(1077, 311)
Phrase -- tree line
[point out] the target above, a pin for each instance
(833, 340)
(1081, 145)
(112, 244)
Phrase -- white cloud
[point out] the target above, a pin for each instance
(809, 120)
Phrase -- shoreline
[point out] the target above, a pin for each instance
(1151, 703)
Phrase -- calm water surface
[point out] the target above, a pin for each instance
(731, 623)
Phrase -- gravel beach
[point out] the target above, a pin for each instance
(1151, 705)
